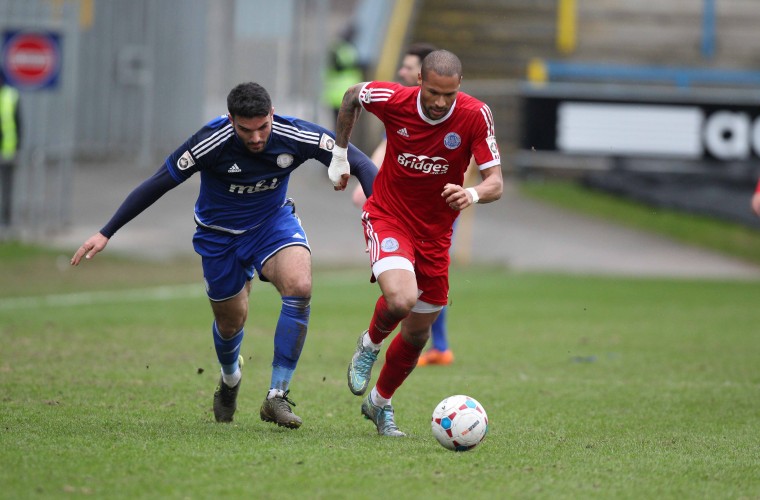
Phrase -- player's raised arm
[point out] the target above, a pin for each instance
(350, 109)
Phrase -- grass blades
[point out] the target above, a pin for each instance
(595, 387)
(729, 238)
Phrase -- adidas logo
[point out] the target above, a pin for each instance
(402, 132)
(297, 235)
(234, 169)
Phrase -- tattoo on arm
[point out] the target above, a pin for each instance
(349, 113)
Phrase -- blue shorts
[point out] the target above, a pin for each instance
(229, 260)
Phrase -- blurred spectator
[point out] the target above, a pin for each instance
(343, 70)
(10, 140)
(756, 200)
(409, 71)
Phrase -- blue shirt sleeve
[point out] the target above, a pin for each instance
(362, 168)
(139, 199)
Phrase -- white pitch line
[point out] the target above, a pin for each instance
(159, 293)
(106, 297)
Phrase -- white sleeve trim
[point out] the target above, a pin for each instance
(489, 164)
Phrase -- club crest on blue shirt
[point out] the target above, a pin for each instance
(452, 140)
(389, 245)
(185, 161)
(284, 160)
(326, 142)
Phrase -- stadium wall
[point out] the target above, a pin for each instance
(138, 77)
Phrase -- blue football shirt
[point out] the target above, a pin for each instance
(240, 189)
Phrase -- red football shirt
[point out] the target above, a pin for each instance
(424, 155)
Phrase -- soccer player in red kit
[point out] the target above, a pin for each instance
(433, 130)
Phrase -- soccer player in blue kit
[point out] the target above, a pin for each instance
(246, 225)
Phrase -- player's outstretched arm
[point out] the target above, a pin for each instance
(94, 245)
(339, 169)
(359, 197)
(350, 109)
(138, 200)
(362, 168)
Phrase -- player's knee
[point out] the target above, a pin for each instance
(400, 304)
(228, 329)
(228, 325)
(300, 287)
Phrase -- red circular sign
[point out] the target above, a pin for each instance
(31, 59)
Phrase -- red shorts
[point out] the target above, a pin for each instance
(392, 246)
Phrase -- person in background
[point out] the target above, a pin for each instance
(433, 131)
(409, 74)
(10, 142)
(344, 68)
(245, 226)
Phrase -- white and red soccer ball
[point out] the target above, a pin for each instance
(459, 423)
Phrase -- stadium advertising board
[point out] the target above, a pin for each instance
(679, 129)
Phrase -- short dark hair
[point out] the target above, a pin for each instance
(420, 50)
(443, 62)
(249, 100)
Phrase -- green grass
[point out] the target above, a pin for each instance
(596, 387)
(729, 238)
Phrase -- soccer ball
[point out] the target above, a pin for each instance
(459, 423)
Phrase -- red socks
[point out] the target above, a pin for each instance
(383, 322)
(400, 359)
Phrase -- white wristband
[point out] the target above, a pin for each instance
(474, 195)
(340, 152)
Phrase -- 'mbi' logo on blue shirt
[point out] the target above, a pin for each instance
(262, 185)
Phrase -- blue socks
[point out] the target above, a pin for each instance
(289, 337)
(228, 350)
(439, 332)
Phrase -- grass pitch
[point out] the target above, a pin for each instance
(595, 388)
(708, 232)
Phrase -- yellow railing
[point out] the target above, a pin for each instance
(567, 24)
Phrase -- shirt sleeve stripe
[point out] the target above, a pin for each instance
(208, 146)
(368, 95)
(488, 117)
(295, 133)
(297, 137)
